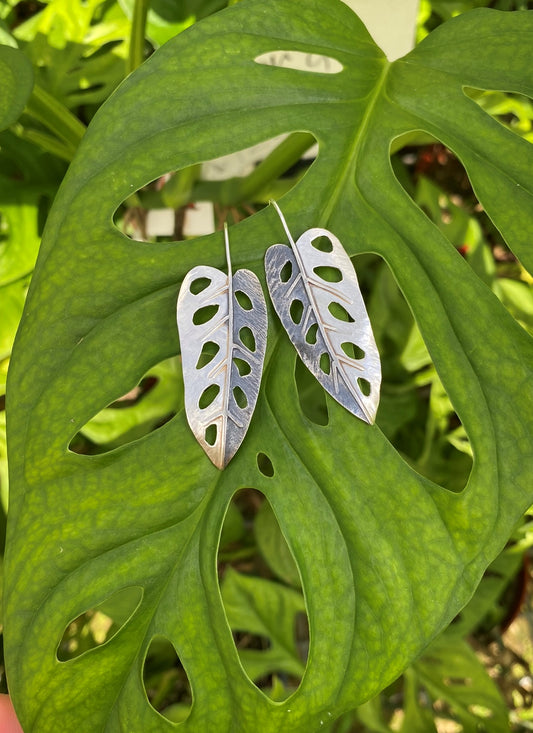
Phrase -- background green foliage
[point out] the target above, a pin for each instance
(111, 589)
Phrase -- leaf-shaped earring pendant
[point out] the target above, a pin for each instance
(315, 292)
(222, 324)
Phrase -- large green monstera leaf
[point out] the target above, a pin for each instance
(386, 557)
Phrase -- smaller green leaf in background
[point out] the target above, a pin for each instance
(417, 718)
(6, 39)
(16, 82)
(113, 425)
(273, 546)
(233, 528)
(3, 468)
(78, 49)
(19, 229)
(167, 18)
(483, 608)
(451, 672)
(267, 609)
(517, 297)
(12, 298)
(515, 111)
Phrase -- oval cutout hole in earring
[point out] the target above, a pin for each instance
(296, 311)
(311, 335)
(243, 367)
(325, 363)
(208, 396)
(286, 272)
(199, 285)
(209, 350)
(211, 434)
(240, 397)
(323, 244)
(243, 300)
(247, 338)
(339, 312)
(328, 274)
(166, 681)
(205, 314)
(352, 350)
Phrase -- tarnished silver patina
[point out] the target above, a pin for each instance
(222, 324)
(315, 292)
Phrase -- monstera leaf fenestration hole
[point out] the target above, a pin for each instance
(264, 464)
(440, 187)
(145, 407)
(157, 211)
(442, 450)
(415, 411)
(166, 682)
(313, 62)
(456, 686)
(267, 618)
(301, 635)
(514, 111)
(98, 625)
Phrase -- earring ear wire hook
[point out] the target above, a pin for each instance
(226, 242)
(285, 226)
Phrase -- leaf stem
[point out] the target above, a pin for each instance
(177, 191)
(47, 142)
(137, 36)
(242, 554)
(283, 157)
(44, 108)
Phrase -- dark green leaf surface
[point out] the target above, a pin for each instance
(16, 82)
(386, 557)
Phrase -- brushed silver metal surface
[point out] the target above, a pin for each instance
(317, 298)
(223, 349)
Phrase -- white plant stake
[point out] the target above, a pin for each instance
(315, 292)
(222, 324)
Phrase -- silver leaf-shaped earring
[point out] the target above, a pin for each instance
(315, 292)
(222, 325)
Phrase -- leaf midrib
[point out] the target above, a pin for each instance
(353, 151)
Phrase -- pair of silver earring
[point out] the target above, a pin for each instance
(222, 324)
